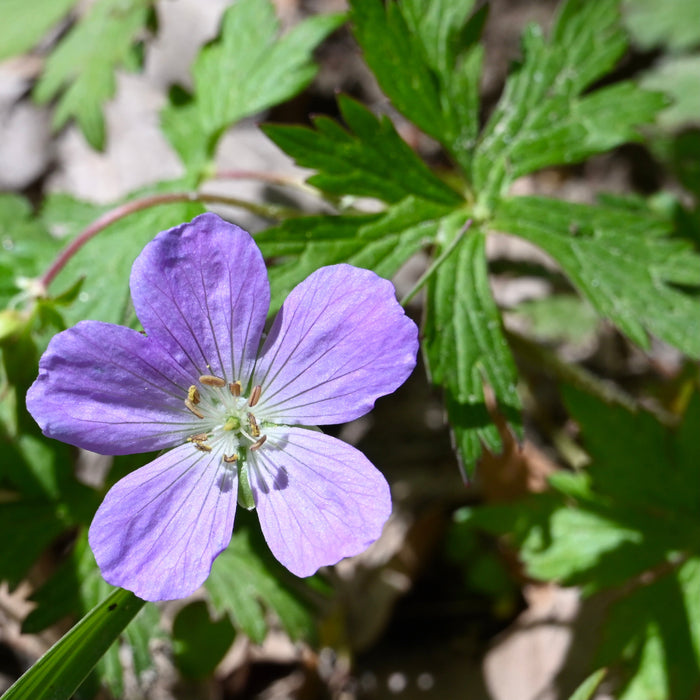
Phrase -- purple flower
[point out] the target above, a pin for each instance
(234, 409)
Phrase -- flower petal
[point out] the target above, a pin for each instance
(318, 499)
(111, 390)
(339, 342)
(201, 291)
(159, 529)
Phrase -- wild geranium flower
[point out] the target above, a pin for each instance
(234, 409)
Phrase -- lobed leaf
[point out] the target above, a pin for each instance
(369, 160)
(80, 71)
(379, 242)
(465, 348)
(619, 260)
(248, 69)
(426, 60)
(543, 119)
(23, 24)
(245, 586)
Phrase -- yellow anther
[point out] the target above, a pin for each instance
(254, 427)
(193, 394)
(193, 408)
(199, 437)
(211, 380)
(255, 395)
(202, 446)
(230, 459)
(235, 388)
(258, 444)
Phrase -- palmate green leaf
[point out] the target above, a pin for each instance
(620, 261)
(379, 242)
(23, 24)
(677, 77)
(465, 348)
(245, 584)
(80, 71)
(426, 60)
(59, 673)
(248, 69)
(75, 588)
(370, 160)
(631, 521)
(105, 261)
(542, 119)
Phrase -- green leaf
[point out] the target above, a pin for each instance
(425, 58)
(674, 24)
(542, 119)
(465, 348)
(587, 689)
(248, 69)
(59, 672)
(654, 633)
(677, 77)
(619, 260)
(370, 160)
(244, 584)
(631, 522)
(561, 317)
(26, 248)
(105, 261)
(199, 642)
(80, 71)
(379, 242)
(23, 24)
(75, 588)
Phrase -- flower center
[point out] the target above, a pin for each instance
(228, 420)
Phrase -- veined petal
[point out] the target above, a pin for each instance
(201, 291)
(340, 341)
(159, 529)
(318, 499)
(110, 389)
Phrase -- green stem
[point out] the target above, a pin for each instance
(63, 668)
(124, 210)
(435, 265)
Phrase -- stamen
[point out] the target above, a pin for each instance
(193, 408)
(255, 395)
(254, 427)
(235, 388)
(202, 446)
(199, 437)
(193, 394)
(230, 459)
(211, 380)
(258, 444)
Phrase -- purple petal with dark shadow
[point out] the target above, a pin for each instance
(340, 341)
(201, 291)
(112, 390)
(159, 529)
(318, 499)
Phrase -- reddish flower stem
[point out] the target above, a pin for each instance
(136, 205)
